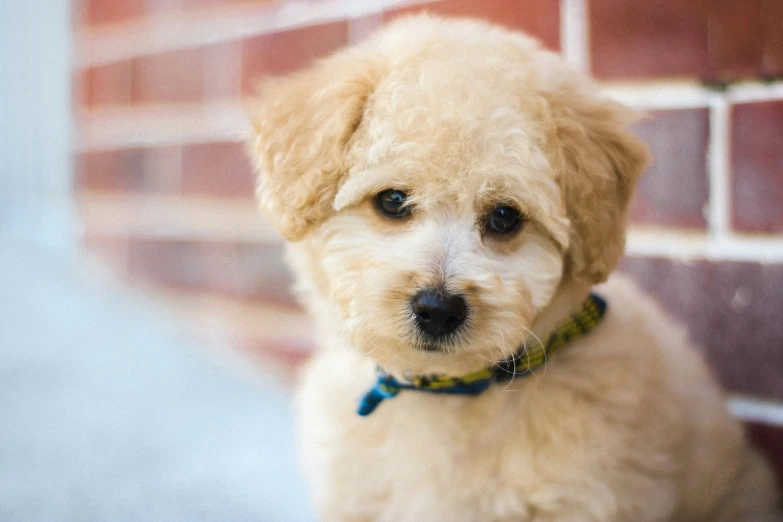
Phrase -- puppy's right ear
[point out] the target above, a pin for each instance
(301, 125)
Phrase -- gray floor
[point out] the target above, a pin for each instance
(107, 414)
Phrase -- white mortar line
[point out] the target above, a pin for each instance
(222, 75)
(754, 91)
(165, 33)
(215, 314)
(164, 125)
(174, 217)
(686, 246)
(718, 215)
(203, 217)
(654, 243)
(676, 95)
(574, 37)
(125, 127)
(756, 410)
(688, 95)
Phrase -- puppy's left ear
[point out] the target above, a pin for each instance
(599, 162)
(301, 126)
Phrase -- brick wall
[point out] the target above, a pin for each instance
(165, 193)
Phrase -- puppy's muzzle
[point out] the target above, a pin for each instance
(438, 313)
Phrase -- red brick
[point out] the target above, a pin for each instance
(172, 77)
(280, 53)
(745, 38)
(769, 438)
(734, 40)
(157, 8)
(757, 166)
(107, 84)
(719, 40)
(217, 169)
(361, 28)
(732, 311)
(674, 191)
(224, 4)
(248, 271)
(652, 38)
(772, 55)
(223, 79)
(538, 18)
(153, 169)
(110, 170)
(162, 169)
(98, 12)
(176, 263)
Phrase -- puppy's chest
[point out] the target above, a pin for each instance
(440, 472)
(418, 453)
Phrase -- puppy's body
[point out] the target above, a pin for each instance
(462, 119)
(625, 424)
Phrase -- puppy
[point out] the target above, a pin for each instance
(451, 194)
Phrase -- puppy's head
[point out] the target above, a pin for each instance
(441, 182)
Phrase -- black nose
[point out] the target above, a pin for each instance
(438, 313)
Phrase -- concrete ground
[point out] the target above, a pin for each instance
(108, 414)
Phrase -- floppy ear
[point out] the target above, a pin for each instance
(599, 162)
(300, 127)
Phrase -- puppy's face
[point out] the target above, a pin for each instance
(441, 196)
(448, 233)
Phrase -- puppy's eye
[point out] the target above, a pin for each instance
(391, 203)
(504, 220)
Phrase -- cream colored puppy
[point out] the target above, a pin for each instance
(451, 193)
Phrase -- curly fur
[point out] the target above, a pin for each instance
(626, 424)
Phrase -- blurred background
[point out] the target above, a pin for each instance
(129, 231)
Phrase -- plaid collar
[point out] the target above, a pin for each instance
(521, 364)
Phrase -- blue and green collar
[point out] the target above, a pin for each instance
(521, 364)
